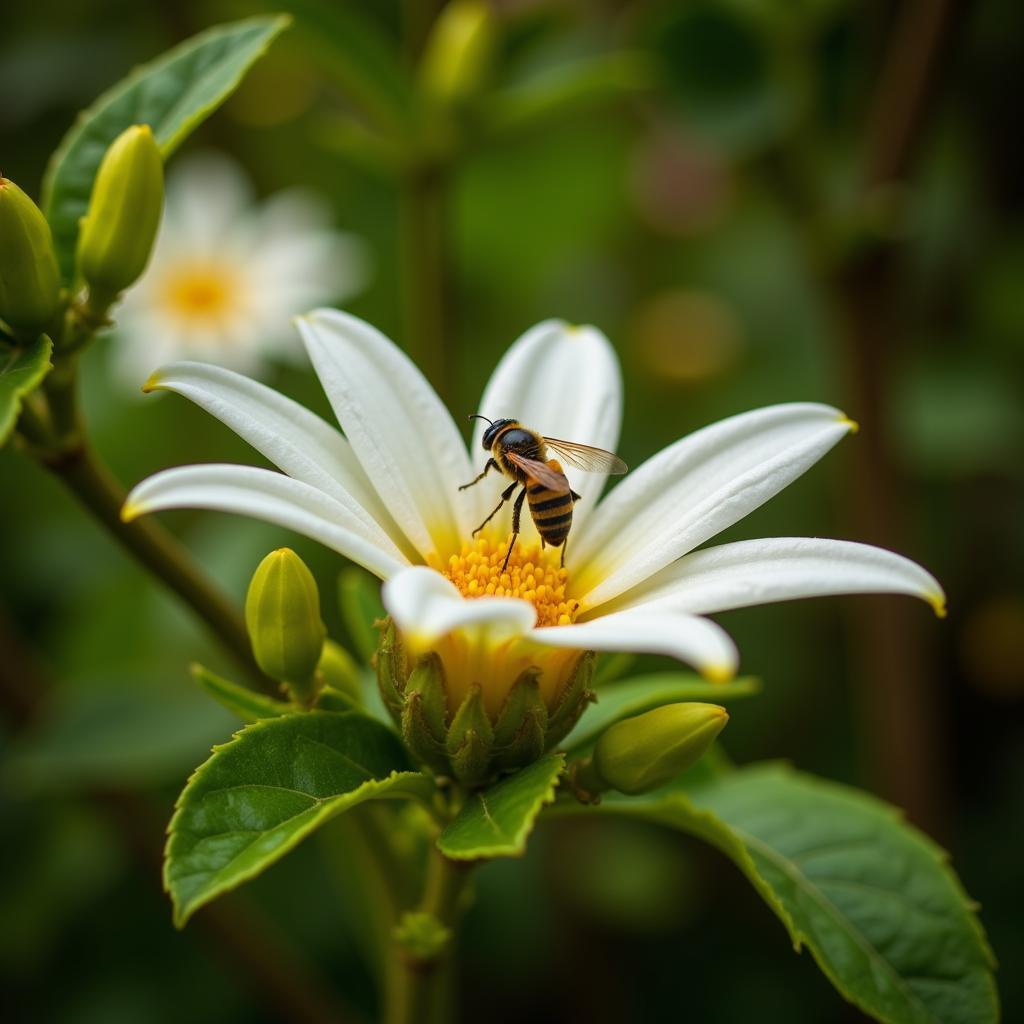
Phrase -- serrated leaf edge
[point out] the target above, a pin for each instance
(326, 809)
(714, 835)
(516, 846)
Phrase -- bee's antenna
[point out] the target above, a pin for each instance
(477, 416)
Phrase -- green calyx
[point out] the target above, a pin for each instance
(118, 232)
(29, 279)
(282, 614)
(463, 742)
(643, 753)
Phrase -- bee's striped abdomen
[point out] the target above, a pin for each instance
(551, 509)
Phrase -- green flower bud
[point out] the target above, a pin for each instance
(117, 233)
(469, 741)
(642, 753)
(458, 52)
(282, 613)
(29, 279)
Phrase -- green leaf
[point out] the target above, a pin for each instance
(496, 822)
(21, 371)
(872, 897)
(173, 94)
(642, 693)
(248, 705)
(264, 791)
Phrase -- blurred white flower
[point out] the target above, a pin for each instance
(228, 273)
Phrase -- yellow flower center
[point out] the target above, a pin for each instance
(532, 574)
(200, 292)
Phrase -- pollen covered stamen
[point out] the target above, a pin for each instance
(532, 574)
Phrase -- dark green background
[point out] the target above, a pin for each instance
(760, 225)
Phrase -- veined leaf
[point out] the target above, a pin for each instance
(173, 94)
(264, 791)
(872, 897)
(21, 371)
(629, 697)
(496, 822)
(248, 705)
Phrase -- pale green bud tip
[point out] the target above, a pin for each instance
(458, 52)
(282, 613)
(642, 753)
(118, 232)
(29, 279)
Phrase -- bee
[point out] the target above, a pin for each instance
(522, 454)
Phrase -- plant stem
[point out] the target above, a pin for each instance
(424, 270)
(95, 487)
(420, 988)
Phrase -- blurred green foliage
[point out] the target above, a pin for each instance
(704, 219)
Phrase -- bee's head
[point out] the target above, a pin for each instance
(494, 428)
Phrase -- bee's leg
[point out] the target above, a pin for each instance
(517, 511)
(491, 464)
(575, 496)
(505, 495)
(565, 544)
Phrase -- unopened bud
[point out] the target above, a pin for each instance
(117, 234)
(29, 279)
(642, 753)
(282, 613)
(459, 50)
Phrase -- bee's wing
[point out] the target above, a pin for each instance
(541, 472)
(582, 456)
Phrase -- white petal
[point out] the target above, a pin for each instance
(427, 606)
(562, 381)
(780, 569)
(698, 642)
(399, 429)
(289, 435)
(272, 497)
(693, 490)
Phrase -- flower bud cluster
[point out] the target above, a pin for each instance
(464, 742)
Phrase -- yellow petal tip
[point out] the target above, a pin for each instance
(153, 383)
(938, 603)
(852, 425)
(130, 511)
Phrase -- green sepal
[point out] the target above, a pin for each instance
(248, 705)
(520, 730)
(339, 672)
(573, 702)
(470, 740)
(425, 713)
(389, 661)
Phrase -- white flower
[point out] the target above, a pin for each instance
(386, 495)
(228, 273)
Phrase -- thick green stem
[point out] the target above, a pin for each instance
(420, 987)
